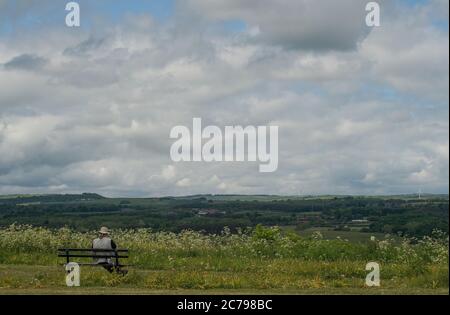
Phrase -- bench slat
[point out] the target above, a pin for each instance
(100, 265)
(92, 256)
(91, 250)
(113, 254)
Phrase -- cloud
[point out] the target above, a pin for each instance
(25, 62)
(301, 24)
(85, 47)
(358, 112)
(411, 53)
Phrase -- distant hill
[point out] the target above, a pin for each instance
(36, 199)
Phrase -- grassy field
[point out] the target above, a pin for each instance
(263, 261)
(351, 236)
(24, 279)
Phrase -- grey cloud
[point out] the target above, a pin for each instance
(25, 62)
(301, 24)
(86, 47)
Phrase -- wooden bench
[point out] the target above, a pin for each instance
(113, 255)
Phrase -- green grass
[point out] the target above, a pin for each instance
(263, 261)
(134, 291)
(24, 279)
(352, 236)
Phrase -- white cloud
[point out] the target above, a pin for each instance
(411, 55)
(358, 112)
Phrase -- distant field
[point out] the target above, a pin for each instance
(406, 214)
(17, 196)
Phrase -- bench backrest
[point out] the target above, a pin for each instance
(92, 253)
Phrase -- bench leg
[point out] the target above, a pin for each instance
(121, 271)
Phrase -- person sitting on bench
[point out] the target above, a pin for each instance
(105, 242)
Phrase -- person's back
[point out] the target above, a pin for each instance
(106, 243)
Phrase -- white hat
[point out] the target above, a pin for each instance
(104, 230)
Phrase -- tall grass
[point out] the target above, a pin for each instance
(256, 258)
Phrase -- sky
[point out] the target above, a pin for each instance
(360, 110)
